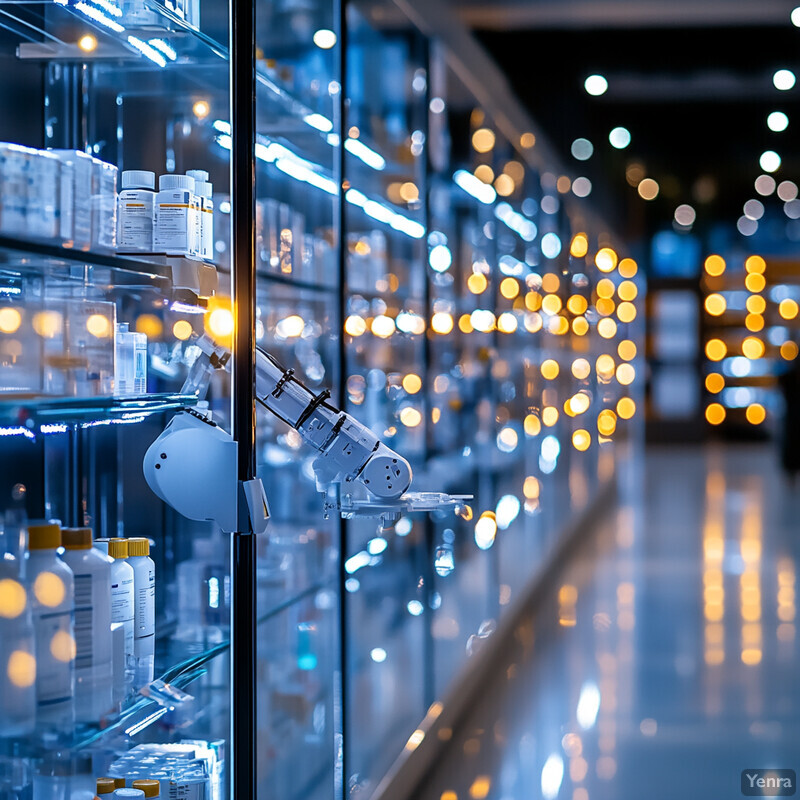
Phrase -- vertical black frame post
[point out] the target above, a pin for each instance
(242, 27)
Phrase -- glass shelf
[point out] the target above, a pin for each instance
(182, 672)
(29, 415)
(19, 253)
(289, 280)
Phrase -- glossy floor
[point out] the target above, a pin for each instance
(665, 660)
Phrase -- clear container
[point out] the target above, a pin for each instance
(130, 361)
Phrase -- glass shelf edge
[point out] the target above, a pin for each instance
(153, 269)
(181, 675)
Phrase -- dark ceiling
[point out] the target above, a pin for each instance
(691, 81)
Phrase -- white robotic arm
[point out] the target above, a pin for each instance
(191, 466)
(348, 451)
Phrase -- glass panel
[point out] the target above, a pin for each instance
(97, 332)
(514, 383)
(298, 312)
(385, 323)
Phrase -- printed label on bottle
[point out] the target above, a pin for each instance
(145, 606)
(122, 610)
(173, 222)
(84, 622)
(135, 225)
(55, 649)
(140, 370)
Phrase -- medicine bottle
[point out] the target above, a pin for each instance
(136, 212)
(203, 189)
(175, 214)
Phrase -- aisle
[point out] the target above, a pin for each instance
(666, 659)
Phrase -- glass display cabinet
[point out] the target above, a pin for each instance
(115, 666)
(344, 195)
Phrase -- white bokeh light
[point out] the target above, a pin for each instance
(769, 161)
(765, 185)
(685, 215)
(745, 226)
(787, 190)
(440, 258)
(784, 80)
(324, 39)
(581, 187)
(552, 776)
(582, 149)
(777, 121)
(620, 138)
(754, 209)
(596, 85)
(551, 245)
(792, 209)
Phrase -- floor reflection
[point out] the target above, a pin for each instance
(665, 660)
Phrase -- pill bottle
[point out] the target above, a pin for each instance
(136, 212)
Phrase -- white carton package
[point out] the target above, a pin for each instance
(104, 204)
(81, 237)
(66, 200)
(15, 174)
(43, 194)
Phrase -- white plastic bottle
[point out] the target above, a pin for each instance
(93, 665)
(144, 622)
(17, 656)
(119, 665)
(123, 598)
(174, 215)
(50, 586)
(204, 190)
(136, 212)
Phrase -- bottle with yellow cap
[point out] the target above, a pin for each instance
(50, 586)
(105, 786)
(144, 609)
(93, 666)
(17, 658)
(122, 596)
(150, 788)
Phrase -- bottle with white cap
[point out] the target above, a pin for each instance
(203, 189)
(136, 212)
(92, 581)
(175, 215)
(128, 794)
